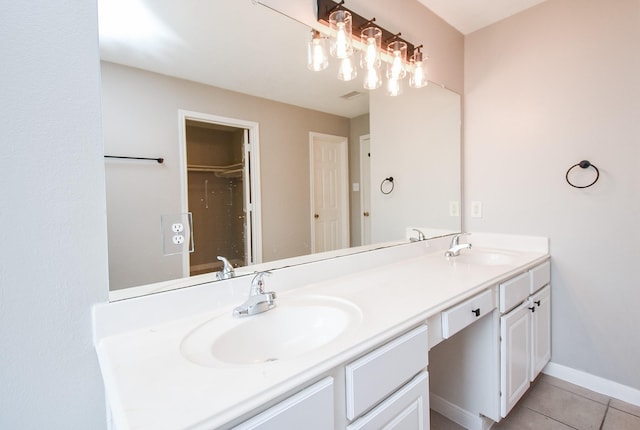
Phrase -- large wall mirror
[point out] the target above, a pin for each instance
(193, 82)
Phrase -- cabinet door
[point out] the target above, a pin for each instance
(310, 409)
(407, 409)
(515, 356)
(540, 304)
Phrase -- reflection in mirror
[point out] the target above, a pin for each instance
(170, 60)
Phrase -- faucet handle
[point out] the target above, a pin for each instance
(227, 269)
(421, 236)
(257, 283)
(456, 237)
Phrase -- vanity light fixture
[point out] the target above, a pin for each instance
(369, 39)
(317, 56)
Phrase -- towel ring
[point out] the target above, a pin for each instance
(584, 164)
(389, 188)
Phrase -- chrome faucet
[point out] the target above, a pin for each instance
(455, 246)
(227, 270)
(259, 301)
(421, 236)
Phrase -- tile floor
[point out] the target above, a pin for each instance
(553, 404)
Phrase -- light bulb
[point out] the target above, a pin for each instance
(370, 55)
(398, 52)
(346, 70)
(394, 87)
(372, 78)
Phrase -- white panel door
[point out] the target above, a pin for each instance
(540, 304)
(330, 204)
(515, 356)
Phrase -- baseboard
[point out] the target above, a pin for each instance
(594, 383)
(458, 415)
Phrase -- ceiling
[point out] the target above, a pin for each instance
(468, 16)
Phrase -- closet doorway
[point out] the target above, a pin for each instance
(220, 176)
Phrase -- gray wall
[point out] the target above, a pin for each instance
(545, 89)
(52, 208)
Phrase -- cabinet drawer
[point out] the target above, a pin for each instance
(311, 409)
(514, 291)
(467, 312)
(374, 376)
(408, 408)
(540, 276)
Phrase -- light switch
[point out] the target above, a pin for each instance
(476, 209)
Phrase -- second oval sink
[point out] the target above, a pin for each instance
(484, 257)
(291, 329)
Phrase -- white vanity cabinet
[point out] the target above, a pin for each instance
(481, 371)
(525, 333)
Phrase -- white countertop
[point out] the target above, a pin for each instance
(150, 385)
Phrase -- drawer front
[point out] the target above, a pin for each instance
(514, 291)
(374, 376)
(540, 276)
(408, 408)
(467, 312)
(310, 409)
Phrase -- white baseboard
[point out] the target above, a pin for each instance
(594, 383)
(458, 415)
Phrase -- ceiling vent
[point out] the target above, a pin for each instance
(351, 95)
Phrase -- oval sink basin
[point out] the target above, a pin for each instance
(289, 330)
(484, 257)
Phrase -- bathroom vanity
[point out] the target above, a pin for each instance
(363, 341)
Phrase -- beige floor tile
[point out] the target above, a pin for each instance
(617, 420)
(597, 397)
(439, 422)
(625, 407)
(564, 406)
(522, 418)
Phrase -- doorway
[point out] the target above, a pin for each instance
(219, 163)
(329, 192)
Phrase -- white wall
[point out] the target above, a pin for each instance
(52, 208)
(545, 89)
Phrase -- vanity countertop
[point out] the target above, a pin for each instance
(151, 385)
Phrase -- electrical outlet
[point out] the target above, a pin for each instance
(177, 234)
(454, 208)
(476, 209)
(177, 239)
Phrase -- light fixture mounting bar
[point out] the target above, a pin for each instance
(325, 7)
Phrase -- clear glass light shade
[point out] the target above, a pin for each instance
(341, 40)
(372, 78)
(418, 77)
(347, 70)
(317, 52)
(397, 50)
(372, 39)
(394, 87)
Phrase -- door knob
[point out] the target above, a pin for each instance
(366, 214)
(316, 216)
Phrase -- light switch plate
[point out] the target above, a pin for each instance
(454, 208)
(177, 236)
(476, 209)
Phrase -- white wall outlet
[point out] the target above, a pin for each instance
(476, 209)
(454, 208)
(178, 239)
(177, 234)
